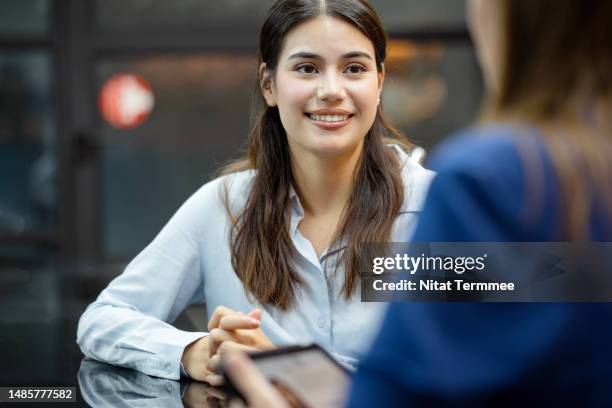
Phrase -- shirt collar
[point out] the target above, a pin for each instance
(297, 214)
(297, 211)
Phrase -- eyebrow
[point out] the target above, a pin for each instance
(348, 55)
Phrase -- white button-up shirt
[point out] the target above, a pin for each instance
(190, 262)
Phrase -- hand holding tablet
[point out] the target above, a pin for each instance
(293, 376)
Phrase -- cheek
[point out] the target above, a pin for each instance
(292, 95)
(365, 96)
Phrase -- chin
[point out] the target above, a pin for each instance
(330, 146)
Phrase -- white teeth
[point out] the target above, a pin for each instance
(329, 118)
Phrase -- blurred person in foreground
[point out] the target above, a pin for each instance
(538, 168)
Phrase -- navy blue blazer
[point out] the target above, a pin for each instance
(491, 354)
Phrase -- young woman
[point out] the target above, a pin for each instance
(277, 236)
(538, 169)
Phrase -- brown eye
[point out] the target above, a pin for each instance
(307, 69)
(355, 69)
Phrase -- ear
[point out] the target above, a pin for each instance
(381, 81)
(265, 84)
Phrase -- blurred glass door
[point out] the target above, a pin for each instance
(199, 122)
(29, 202)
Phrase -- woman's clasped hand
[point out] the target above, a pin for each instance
(229, 331)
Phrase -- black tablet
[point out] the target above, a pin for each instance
(309, 373)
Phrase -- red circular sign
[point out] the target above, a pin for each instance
(126, 100)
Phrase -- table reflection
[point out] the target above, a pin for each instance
(103, 385)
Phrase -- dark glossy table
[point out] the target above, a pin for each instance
(39, 311)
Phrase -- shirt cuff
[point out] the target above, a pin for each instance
(184, 372)
(174, 352)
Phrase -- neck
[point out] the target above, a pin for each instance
(325, 184)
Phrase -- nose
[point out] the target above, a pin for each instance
(331, 88)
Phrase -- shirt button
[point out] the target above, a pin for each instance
(322, 323)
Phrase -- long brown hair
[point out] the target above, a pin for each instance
(556, 72)
(261, 247)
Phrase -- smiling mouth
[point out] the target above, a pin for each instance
(329, 118)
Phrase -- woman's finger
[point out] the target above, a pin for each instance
(219, 312)
(217, 337)
(235, 322)
(213, 363)
(232, 347)
(255, 314)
